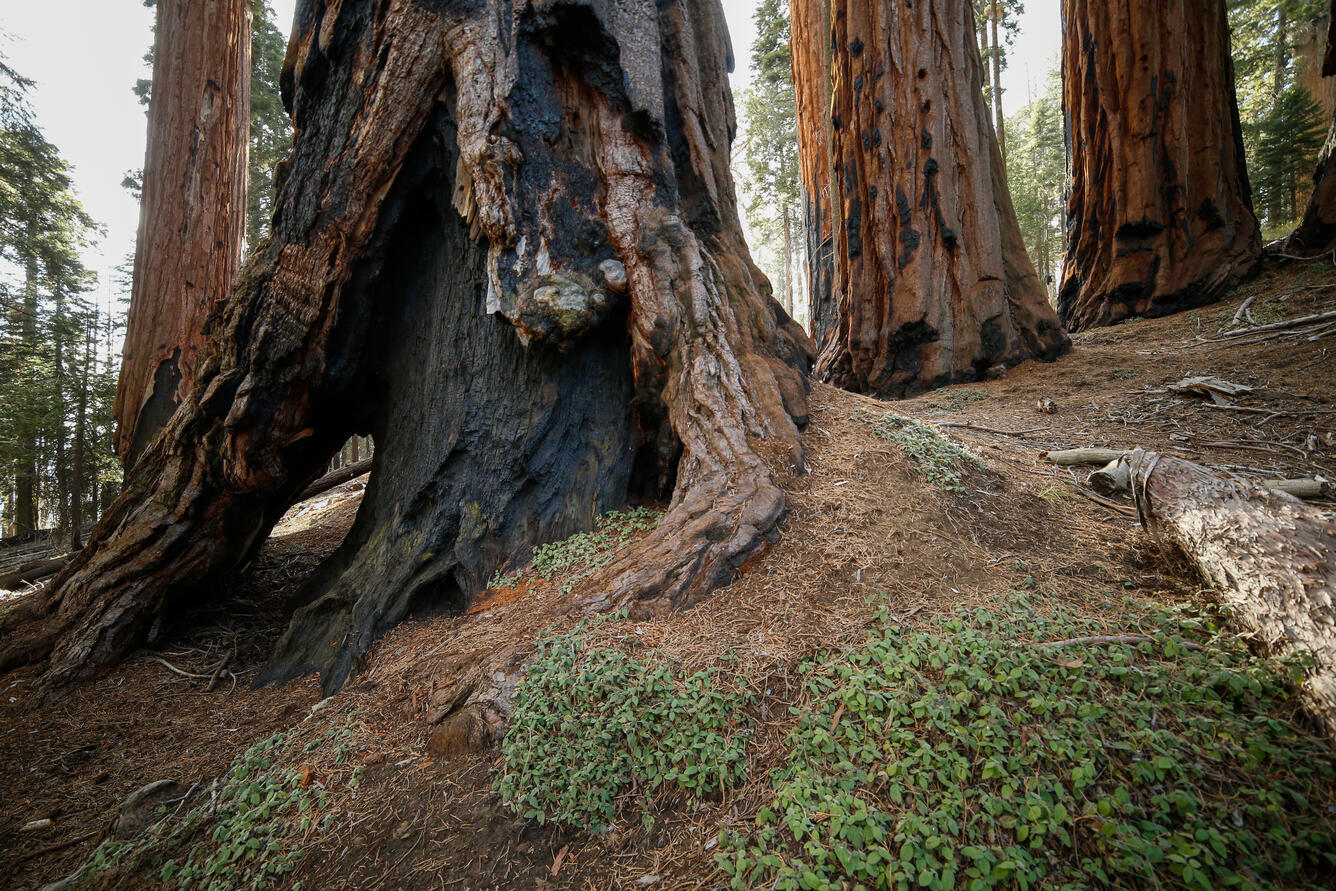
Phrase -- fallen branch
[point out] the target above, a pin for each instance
(1316, 487)
(1111, 478)
(965, 425)
(1243, 312)
(337, 478)
(1069, 457)
(34, 571)
(1269, 556)
(51, 849)
(1115, 477)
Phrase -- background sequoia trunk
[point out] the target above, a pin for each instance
(508, 231)
(192, 217)
(809, 30)
(1159, 209)
(1316, 233)
(931, 281)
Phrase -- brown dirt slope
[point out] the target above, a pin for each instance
(863, 529)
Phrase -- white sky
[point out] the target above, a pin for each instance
(85, 55)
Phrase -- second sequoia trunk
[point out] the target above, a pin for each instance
(506, 244)
(1159, 210)
(929, 275)
(193, 214)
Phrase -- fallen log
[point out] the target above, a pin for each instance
(1271, 557)
(37, 570)
(34, 571)
(337, 478)
(1316, 487)
(1111, 478)
(1114, 477)
(1069, 457)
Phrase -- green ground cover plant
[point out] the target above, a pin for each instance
(962, 756)
(595, 727)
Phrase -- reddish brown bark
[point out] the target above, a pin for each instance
(809, 29)
(192, 218)
(931, 279)
(506, 245)
(1160, 211)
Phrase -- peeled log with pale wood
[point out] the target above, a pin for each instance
(1271, 557)
(1159, 212)
(931, 281)
(506, 245)
(192, 219)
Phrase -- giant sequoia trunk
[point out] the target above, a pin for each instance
(506, 246)
(930, 278)
(1316, 233)
(192, 217)
(1159, 212)
(809, 30)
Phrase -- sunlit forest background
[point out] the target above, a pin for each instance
(60, 347)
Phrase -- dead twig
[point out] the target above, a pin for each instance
(51, 849)
(965, 425)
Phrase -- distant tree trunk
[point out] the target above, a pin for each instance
(192, 221)
(810, 33)
(78, 479)
(788, 262)
(931, 278)
(25, 468)
(998, 121)
(507, 245)
(1282, 52)
(58, 432)
(1159, 211)
(1316, 234)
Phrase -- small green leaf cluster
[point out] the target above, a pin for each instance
(956, 757)
(594, 725)
(578, 557)
(936, 458)
(237, 837)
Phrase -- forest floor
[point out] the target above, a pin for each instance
(869, 543)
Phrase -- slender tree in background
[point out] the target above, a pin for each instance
(49, 387)
(1316, 233)
(998, 22)
(193, 207)
(508, 248)
(1037, 177)
(270, 126)
(769, 144)
(932, 282)
(1159, 216)
(1283, 125)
